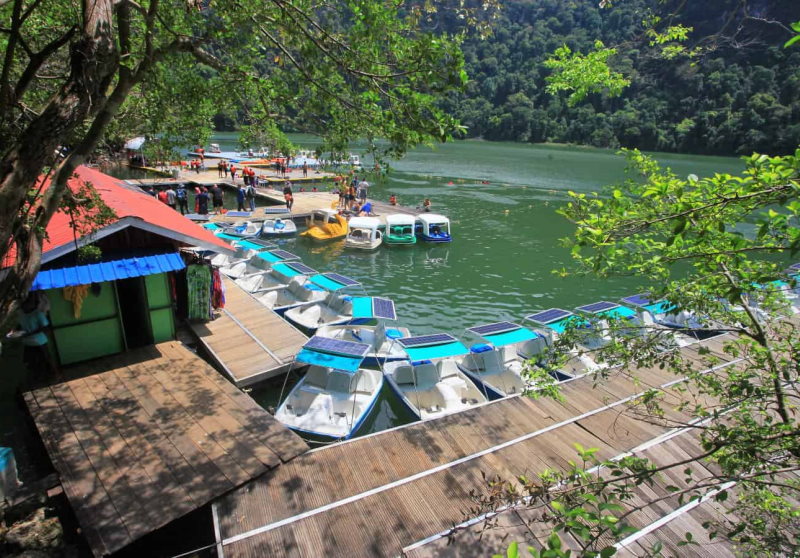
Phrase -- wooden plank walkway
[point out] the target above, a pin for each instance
(377, 494)
(249, 341)
(152, 435)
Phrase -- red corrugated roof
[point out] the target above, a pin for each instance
(125, 202)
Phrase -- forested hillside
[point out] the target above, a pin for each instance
(740, 93)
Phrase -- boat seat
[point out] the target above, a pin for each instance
(492, 361)
(427, 375)
(404, 374)
(316, 377)
(532, 347)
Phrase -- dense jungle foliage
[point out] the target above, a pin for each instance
(730, 88)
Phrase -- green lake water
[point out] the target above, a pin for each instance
(506, 237)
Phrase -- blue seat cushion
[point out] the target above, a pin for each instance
(480, 348)
(394, 333)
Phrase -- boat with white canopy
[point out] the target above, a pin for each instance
(429, 382)
(495, 364)
(400, 230)
(381, 339)
(336, 395)
(363, 233)
(434, 227)
(336, 308)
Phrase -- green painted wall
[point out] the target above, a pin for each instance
(94, 307)
(89, 340)
(160, 302)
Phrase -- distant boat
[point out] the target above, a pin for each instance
(400, 230)
(277, 227)
(434, 227)
(363, 233)
(324, 225)
(429, 382)
(240, 229)
(336, 395)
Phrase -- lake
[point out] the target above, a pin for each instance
(506, 237)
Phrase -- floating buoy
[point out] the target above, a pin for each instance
(450, 183)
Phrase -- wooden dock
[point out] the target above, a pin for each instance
(149, 436)
(249, 341)
(380, 494)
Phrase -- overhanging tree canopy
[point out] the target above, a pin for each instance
(346, 69)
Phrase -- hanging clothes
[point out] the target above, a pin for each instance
(198, 280)
(217, 290)
(76, 295)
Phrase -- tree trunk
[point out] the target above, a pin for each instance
(94, 62)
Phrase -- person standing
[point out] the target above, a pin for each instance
(250, 194)
(183, 199)
(363, 187)
(170, 197)
(216, 197)
(201, 201)
(220, 166)
(233, 173)
(225, 169)
(36, 352)
(287, 195)
(240, 198)
(162, 196)
(305, 168)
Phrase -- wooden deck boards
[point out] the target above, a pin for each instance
(154, 434)
(249, 341)
(419, 476)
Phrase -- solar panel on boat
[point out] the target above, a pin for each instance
(275, 210)
(238, 214)
(549, 316)
(346, 281)
(422, 340)
(637, 300)
(383, 308)
(795, 266)
(337, 346)
(284, 255)
(597, 307)
(301, 268)
(489, 329)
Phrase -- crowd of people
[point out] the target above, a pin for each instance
(352, 194)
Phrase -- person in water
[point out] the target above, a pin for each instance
(426, 205)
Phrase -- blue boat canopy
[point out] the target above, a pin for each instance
(274, 256)
(333, 353)
(373, 307)
(500, 334)
(430, 352)
(428, 347)
(107, 271)
(511, 337)
(653, 306)
(333, 281)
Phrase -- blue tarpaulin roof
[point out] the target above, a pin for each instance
(430, 352)
(510, 337)
(107, 271)
(337, 362)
